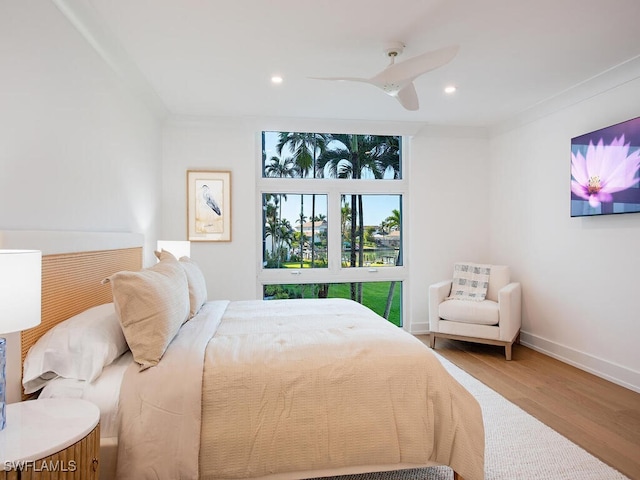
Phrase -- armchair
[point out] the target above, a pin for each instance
(494, 321)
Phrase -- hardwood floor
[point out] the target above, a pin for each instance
(601, 417)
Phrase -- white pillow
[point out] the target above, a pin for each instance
(195, 280)
(197, 285)
(79, 347)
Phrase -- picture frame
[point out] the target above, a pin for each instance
(208, 206)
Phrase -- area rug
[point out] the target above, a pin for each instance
(517, 446)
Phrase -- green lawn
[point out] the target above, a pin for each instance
(374, 295)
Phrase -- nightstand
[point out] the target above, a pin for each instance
(50, 438)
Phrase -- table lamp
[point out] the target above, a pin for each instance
(20, 297)
(178, 248)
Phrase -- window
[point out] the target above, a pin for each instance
(294, 230)
(378, 217)
(331, 223)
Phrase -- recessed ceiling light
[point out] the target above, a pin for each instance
(277, 79)
(450, 89)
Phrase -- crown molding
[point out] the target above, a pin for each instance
(610, 79)
(336, 125)
(86, 20)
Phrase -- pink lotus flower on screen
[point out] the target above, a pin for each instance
(604, 170)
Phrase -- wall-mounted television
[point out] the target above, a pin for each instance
(605, 170)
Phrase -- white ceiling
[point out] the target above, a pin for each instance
(216, 57)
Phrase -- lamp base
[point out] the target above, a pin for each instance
(3, 384)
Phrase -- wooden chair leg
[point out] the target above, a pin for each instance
(507, 351)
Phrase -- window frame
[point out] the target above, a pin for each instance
(333, 189)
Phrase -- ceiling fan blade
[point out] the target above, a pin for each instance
(397, 79)
(407, 70)
(408, 97)
(340, 79)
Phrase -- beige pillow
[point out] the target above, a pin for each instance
(151, 304)
(195, 280)
(197, 285)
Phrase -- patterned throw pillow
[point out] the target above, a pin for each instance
(470, 282)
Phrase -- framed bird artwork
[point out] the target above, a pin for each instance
(208, 206)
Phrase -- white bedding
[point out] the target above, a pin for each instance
(292, 387)
(160, 407)
(104, 392)
(264, 343)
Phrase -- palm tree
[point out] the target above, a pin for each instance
(355, 157)
(345, 216)
(285, 236)
(394, 223)
(280, 167)
(383, 228)
(388, 154)
(368, 234)
(320, 218)
(278, 229)
(305, 148)
(271, 221)
(302, 237)
(323, 288)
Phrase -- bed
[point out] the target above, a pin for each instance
(257, 389)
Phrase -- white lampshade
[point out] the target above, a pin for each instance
(178, 248)
(20, 289)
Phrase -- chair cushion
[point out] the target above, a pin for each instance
(499, 278)
(483, 313)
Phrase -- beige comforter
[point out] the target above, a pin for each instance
(297, 387)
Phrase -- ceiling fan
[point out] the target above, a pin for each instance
(397, 78)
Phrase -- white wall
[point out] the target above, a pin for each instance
(448, 199)
(580, 276)
(229, 267)
(77, 150)
(449, 213)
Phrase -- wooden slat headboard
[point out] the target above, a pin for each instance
(71, 283)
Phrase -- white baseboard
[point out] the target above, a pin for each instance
(612, 372)
(419, 328)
